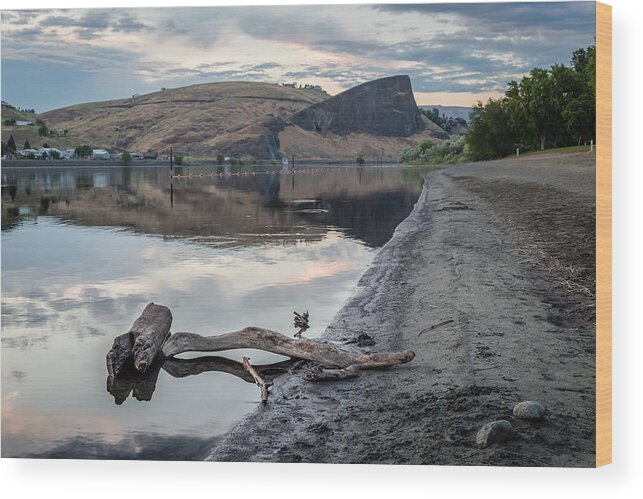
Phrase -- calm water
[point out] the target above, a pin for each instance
(84, 250)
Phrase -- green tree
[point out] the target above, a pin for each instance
(178, 159)
(127, 158)
(43, 131)
(553, 106)
(490, 135)
(27, 144)
(54, 154)
(360, 160)
(220, 159)
(11, 144)
(5, 148)
(84, 151)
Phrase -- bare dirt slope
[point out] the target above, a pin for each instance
(305, 144)
(490, 282)
(212, 117)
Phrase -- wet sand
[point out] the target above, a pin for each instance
(490, 281)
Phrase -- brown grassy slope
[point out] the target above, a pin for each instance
(208, 118)
(312, 145)
(20, 133)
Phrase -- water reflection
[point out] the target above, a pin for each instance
(84, 250)
(141, 386)
(211, 205)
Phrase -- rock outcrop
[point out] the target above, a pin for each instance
(384, 107)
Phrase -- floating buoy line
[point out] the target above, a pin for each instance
(254, 173)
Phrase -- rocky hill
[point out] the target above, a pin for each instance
(250, 120)
(384, 107)
(376, 119)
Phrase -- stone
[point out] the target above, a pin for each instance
(494, 433)
(384, 107)
(529, 410)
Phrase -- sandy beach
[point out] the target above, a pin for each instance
(490, 281)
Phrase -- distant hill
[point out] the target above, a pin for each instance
(227, 117)
(249, 120)
(377, 118)
(451, 111)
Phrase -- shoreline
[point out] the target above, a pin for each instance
(201, 163)
(468, 289)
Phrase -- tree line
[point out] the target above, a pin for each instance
(548, 108)
(446, 123)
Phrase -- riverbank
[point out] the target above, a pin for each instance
(197, 163)
(490, 281)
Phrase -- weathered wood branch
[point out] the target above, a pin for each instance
(271, 341)
(321, 374)
(263, 386)
(140, 346)
(301, 323)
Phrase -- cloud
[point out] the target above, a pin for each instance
(459, 48)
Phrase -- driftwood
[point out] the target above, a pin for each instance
(149, 343)
(263, 386)
(140, 346)
(324, 354)
(301, 323)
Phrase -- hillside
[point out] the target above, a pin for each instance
(210, 118)
(28, 132)
(247, 120)
(377, 118)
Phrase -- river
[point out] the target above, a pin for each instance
(85, 249)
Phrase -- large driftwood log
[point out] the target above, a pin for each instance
(149, 338)
(140, 346)
(272, 341)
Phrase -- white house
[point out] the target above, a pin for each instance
(100, 154)
(25, 153)
(68, 154)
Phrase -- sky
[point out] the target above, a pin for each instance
(455, 54)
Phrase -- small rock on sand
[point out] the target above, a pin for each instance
(529, 410)
(495, 432)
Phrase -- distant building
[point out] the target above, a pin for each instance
(151, 155)
(50, 152)
(28, 153)
(100, 154)
(68, 154)
(289, 85)
(137, 155)
(23, 123)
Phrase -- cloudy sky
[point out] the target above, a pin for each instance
(455, 54)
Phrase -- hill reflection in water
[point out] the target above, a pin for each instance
(217, 209)
(83, 251)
